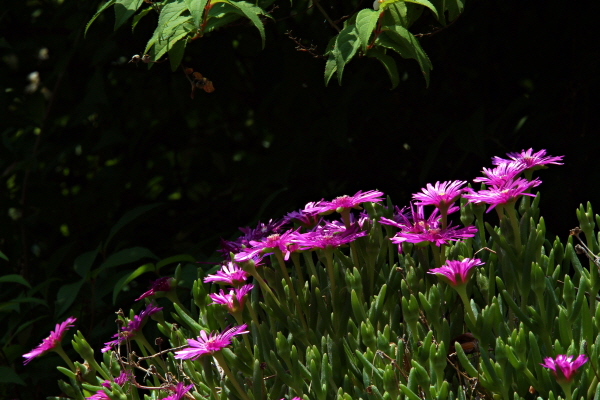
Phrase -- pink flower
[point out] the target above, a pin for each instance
(456, 272)
(160, 285)
(51, 341)
(209, 344)
(261, 231)
(99, 395)
(230, 274)
(502, 195)
(346, 202)
(441, 195)
(120, 380)
(308, 217)
(563, 367)
(268, 244)
(502, 174)
(529, 159)
(328, 237)
(228, 300)
(131, 328)
(180, 391)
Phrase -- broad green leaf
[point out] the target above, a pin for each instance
(388, 63)
(83, 263)
(330, 68)
(396, 14)
(128, 278)
(346, 45)
(8, 375)
(455, 8)
(100, 10)
(124, 9)
(15, 278)
(427, 4)
(122, 257)
(175, 30)
(127, 218)
(176, 53)
(137, 17)
(400, 40)
(366, 21)
(66, 296)
(168, 13)
(175, 259)
(252, 12)
(3, 256)
(196, 8)
(220, 15)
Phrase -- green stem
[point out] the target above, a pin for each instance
(512, 215)
(299, 273)
(223, 364)
(147, 350)
(283, 268)
(238, 318)
(462, 292)
(58, 349)
(566, 387)
(436, 255)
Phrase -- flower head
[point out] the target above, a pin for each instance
(268, 245)
(209, 344)
(529, 159)
(52, 341)
(99, 395)
(564, 367)
(230, 274)
(502, 174)
(232, 301)
(342, 203)
(502, 195)
(456, 272)
(179, 392)
(328, 236)
(132, 327)
(308, 217)
(441, 195)
(160, 285)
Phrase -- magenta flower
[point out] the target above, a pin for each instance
(230, 274)
(52, 341)
(180, 391)
(327, 237)
(131, 328)
(160, 285)
(529, 159)
(308, 217)
(99, 395)
(502, 174)
(261, 231)
(209, 344)
(456, 272)
(228, 300)
(268, 245)
(564, 367)
(502, 195)
(441, 195)
(120, 380)
(342, 203)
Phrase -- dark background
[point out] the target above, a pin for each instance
(99, 137)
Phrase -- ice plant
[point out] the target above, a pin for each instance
(307, 217)
(272, 243)
(343, 204)
(501, 174)
(457, 274)
(131, 328)
(502, 195)
(209, 344)
(52, 342)
(441, 195)
(179, 392)
(160, 285)
(328, 238)
(232, 301)
(564, 369)
(230, 274)
(529, 158)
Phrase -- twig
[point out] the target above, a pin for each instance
(316, 2)
(439, 29)
(300, 47)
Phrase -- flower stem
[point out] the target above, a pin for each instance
(462, 292)
(223, 364)
(512, 215)
(283, 268)
(58, 349)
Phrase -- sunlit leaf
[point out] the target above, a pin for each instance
(100, 10)
(388, 63)
(196, 8)
(404, 43)
(168, 13)
(252, 12)
(124, 9)
(346, 45)
(175, 30)
(137, 17)
(176, 54)
(330, 68)
(366, 21)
